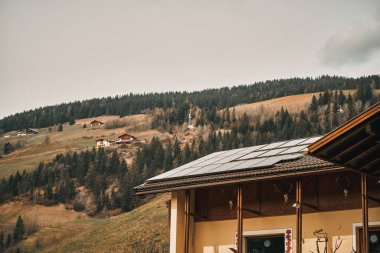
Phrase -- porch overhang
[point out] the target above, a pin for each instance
(354, 145)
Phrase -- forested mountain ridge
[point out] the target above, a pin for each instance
(110, 180)
(181, 101)
(100, 182)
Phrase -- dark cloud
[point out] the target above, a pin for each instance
(354, 45)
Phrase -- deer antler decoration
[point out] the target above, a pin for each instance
(345, 185)
(285, 195)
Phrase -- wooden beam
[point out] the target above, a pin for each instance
(347, 151)
(240, 219)
(310, 206)
(370, 163)
(202, 217)
(373, 128)
(368, 152)
(373, 199)
(251, 211)
(333, 148)
(365, 246)
(299, 216)
(187, 221)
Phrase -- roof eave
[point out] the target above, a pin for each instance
(238, 180)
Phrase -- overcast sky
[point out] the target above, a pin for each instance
(54, 51)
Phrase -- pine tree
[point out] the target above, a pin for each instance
(177, 154)
(233, 115)
(19, 230)
(186, 154)
(168, 161)
(314, 104)
(72, 121)
(2, 243)
(364, 92)
(9, 241)
(123, 168)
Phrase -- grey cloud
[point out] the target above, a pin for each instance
(354, 45)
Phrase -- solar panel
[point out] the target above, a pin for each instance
(229, 152)
(272, 152)
(252, 155)
(205, 169)
(241, 159)
(249, 149)
(165, 175)
(185, 172)
(248, 164)
(225, 167)
(311, 140)
(293, 143)
(210, 161)
(295, 149)
(272, 145)
(272, 160)
(229, 158)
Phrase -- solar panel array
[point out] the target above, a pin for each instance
(241, 159)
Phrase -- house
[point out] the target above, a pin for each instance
(95, 123)
(28, 131)
(103, 143)
(318, 194)
(125, 138)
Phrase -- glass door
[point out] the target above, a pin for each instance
(266, 244)
(373, 237)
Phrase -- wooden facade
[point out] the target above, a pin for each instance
(321, 193)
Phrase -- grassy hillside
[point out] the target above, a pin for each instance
(124, 233)
(268, 108)
(62, 230)
(52, 222)
(76, 137)
(35, 148)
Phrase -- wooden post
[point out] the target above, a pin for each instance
(365, 245)
(299, 215)
(187, 221)
(240, 219)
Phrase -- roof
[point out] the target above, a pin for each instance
(96, 121)
(127, 135)
(238, 165)
(355, 144)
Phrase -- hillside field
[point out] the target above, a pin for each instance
(73, 138)
(62, 230)
(268, 108)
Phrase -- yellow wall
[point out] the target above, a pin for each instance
(177, 222)
(218, 236)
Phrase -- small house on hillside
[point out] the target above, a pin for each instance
(125, 138)
(28, 131)
(95, 123)
(317, 194)
(103, 143)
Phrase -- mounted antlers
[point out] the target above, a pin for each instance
(285, 195)
(345, 184)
